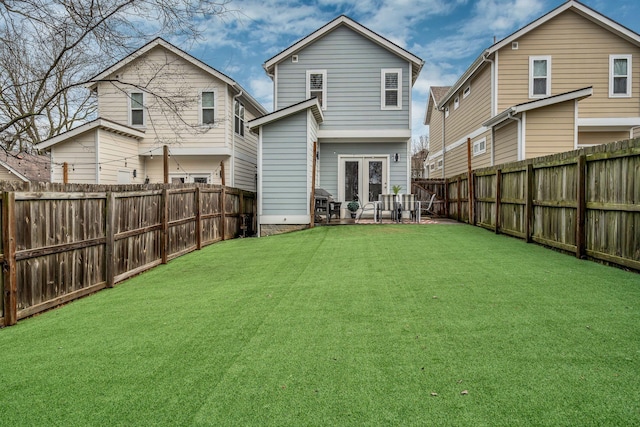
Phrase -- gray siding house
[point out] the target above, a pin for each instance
(347, 91)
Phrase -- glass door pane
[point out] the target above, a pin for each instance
(351, 180)
(375, 180)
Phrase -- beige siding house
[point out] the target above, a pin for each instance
(565, 80)
(161, 96)
(23, 167)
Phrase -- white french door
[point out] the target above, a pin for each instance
(363, 176)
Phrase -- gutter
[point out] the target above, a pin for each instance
(233, 137)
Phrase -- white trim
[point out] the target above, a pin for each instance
(323, 101)
(97, 148)
(285, 219)
(288, 111)
(201, 108)
(456, 102)
(13, 171)
(476, 133)
(97, 123)
(477, 143)
(436, 154)
(575, 125)
(523, 130)
(495, 87)
(629, 90)
(130, 111)
(446, 112)
(440, 164)
(343, 20)
(259, 183)
(383, 88)
(365, 134)
(275, 88)
(410, 102)
(532, 59)
(466, 91)
(185, 151)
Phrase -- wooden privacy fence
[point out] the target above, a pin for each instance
(585, 201)
(59, 246)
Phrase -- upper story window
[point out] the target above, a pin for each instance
(466, 92)
(391, 89)
(317, 86)
(620, 76)
(480, 146)
(456, 102)
(136, 105)
(208, 107)
(446, 111)
(539, 76)
(238, 125)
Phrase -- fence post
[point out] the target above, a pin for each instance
(164, 233)
(446, 198)
(9, 270)
(581, 207)
(528, 214)
(223, 209)
(110, 231)
(498, 198)
(198, 204)
(459, 197)
(472, 199)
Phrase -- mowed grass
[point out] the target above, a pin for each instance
(362, 325)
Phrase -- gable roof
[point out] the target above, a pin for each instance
(436, 93)
(312, 103)
(27, 167)
(182, 54)
(539, 103)
(97, 123)
(574, 6)
(344, 20)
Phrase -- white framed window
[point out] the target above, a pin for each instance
(620, 76)
(136, 108)
(200, 178)
(317, 86)
(183, 178)
(446, 111)
(207, 108)
(480, 146)
(466, 92)
(456, 102)
(391, 88)
(539, 76)
(238, 124)
(440, 164)
(432, 166)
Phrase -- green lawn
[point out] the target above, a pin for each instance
(354, 325)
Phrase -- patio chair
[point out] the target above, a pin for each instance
(429, 207)
(334, 209)
(411, 205)
(368, 207)
(386, 203)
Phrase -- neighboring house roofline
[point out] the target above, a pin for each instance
(182, 54)
(573, 5)
(435, 94)
(538, 103)
(359, 28)
(312, 103)
(97, 123)
(13, 171)
(27, 167)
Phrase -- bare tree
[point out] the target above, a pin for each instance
(419, 154)
(50, 49)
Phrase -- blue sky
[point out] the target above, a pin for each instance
(447, 34)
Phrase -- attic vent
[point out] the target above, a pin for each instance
(514, 45)
(294, 58)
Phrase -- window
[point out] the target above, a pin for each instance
(456, 102)
(466, 92)
(317, 86)
(620, 76)
(440, 164)
(391, 87)
(480, 146)
(200, 179)
(208, 101)
(446, 111)
(432, 166)
(136, 101)
(539, 76)
(239, 118)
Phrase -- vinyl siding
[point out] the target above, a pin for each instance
(6, 175)
(171, 77)
(118, 153)
(435, 138)
(473, 110)
(456, 161)
(329, 163)
(246, 148)
(579, 51)
(597, 138)
(506, 143)
(550, 130)
(80, 154)
(353, 64)
(285, 166)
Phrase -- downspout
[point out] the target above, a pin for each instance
(233, 140)
(444, 140)
(517, 119)
(493, 102)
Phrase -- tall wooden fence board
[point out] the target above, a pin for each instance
(58, 246)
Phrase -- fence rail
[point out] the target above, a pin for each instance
(585, 201)
(57, 246)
